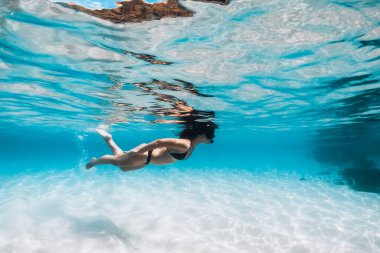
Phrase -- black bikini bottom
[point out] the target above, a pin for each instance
(149, 157)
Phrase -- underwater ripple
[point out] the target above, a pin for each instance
(274, 65)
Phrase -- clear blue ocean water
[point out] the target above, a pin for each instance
(292, 85)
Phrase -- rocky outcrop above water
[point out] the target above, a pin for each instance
(137, 10)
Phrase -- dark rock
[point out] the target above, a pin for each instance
(137, 10)
(339, 182)
(367, 180)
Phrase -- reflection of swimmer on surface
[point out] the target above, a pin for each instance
(159, 152)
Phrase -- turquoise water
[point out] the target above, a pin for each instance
(292, 85)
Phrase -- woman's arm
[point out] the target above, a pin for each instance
(178, 145)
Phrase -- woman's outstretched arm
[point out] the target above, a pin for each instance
(179, 145)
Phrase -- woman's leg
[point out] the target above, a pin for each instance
(125, 160)
(130, 159)
(106, 159)
(108, 139)
(138, 147)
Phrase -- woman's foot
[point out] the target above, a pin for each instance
(103, 133)
(91, 163)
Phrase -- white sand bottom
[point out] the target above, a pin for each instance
(162, 211)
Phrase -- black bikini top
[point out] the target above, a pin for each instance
(179, 156)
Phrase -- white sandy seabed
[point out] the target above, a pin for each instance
(155, 210)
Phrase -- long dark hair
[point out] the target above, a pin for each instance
(199, 128)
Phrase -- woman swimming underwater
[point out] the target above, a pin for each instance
(159, 152)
